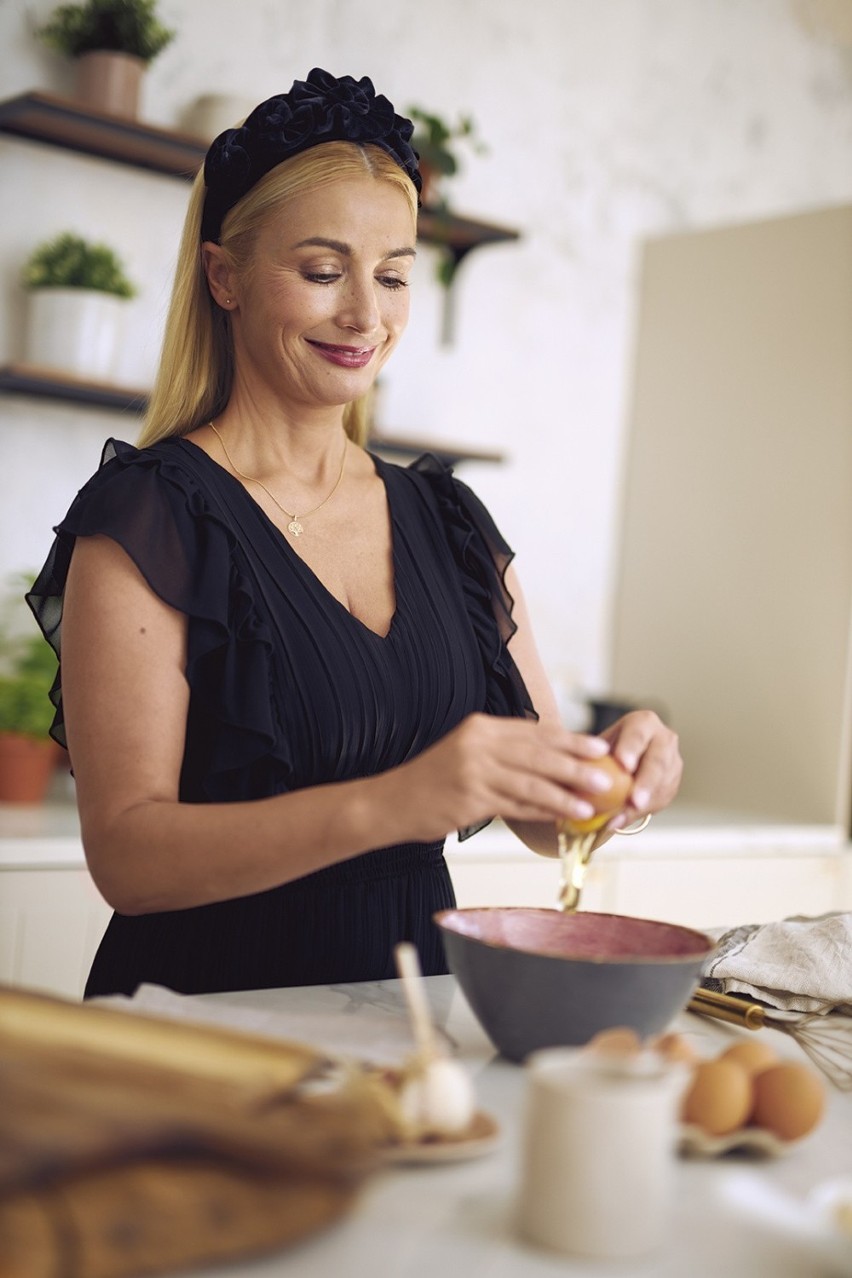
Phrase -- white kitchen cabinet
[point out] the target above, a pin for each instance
(680, 869)
(695, 874)
(51, 920)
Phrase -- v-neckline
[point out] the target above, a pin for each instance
(379, 468)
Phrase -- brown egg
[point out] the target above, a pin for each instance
(618, 1041)
(607, 803)
(789, 1100)
(719, 1098)
(753, 1054)
(674, 1047)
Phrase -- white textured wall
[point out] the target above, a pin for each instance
(605, 122)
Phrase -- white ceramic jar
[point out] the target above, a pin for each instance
(598, 1155)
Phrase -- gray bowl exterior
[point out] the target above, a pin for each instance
(528, 1001)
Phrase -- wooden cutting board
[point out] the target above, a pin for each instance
(136, 1146)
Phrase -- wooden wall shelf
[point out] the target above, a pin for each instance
(42, 383)
(40, 117)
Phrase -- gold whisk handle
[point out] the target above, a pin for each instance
(724, 1007)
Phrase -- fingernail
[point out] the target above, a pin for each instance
(598, 781)
(639, 799)
(581, 810)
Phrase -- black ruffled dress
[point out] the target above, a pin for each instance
(288, 689)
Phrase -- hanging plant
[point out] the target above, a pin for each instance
(436, 141)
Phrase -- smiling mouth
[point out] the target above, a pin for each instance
(349, 356)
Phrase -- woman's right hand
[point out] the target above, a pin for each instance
(518, 769)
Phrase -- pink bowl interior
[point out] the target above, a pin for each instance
(581, 936)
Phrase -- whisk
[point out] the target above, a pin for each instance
(825, 1038)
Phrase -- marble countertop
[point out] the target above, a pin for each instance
(732, 1216)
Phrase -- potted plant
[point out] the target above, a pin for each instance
(112, 42)
(436, 140)
(78, 291)
(28, 756)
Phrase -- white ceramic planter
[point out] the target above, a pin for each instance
(76, 331)
(212, 113)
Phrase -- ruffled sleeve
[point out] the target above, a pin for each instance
(151, 504)
(482, 556)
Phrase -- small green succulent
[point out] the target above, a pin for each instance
(68, 261)
(122, 26)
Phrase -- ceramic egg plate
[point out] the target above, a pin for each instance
(755, 1141)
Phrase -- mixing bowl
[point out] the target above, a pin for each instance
(540, 978)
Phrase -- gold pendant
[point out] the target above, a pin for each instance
(295, 528)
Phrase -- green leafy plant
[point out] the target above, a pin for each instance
(71, 262)
(122, 26)
(27, 669)
(24, 706)
(436, 140)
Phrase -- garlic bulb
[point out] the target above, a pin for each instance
(437, 1098)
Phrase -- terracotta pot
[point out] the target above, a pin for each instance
(110, 82)
(26, 767)
(430, 193)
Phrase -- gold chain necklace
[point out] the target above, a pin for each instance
(295, 525)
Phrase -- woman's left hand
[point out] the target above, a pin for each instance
(642, 743)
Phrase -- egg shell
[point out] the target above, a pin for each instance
(753, 1054)
(618, 1041)
(606, 802)
(613, 799)
(719, 1098)
(674, 1047)
(789, 1100)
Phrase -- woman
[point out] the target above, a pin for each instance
(289, 669)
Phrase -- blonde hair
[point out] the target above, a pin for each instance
(196, 371)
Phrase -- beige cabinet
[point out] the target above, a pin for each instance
(734, 593)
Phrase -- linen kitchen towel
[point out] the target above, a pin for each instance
(799, 964)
